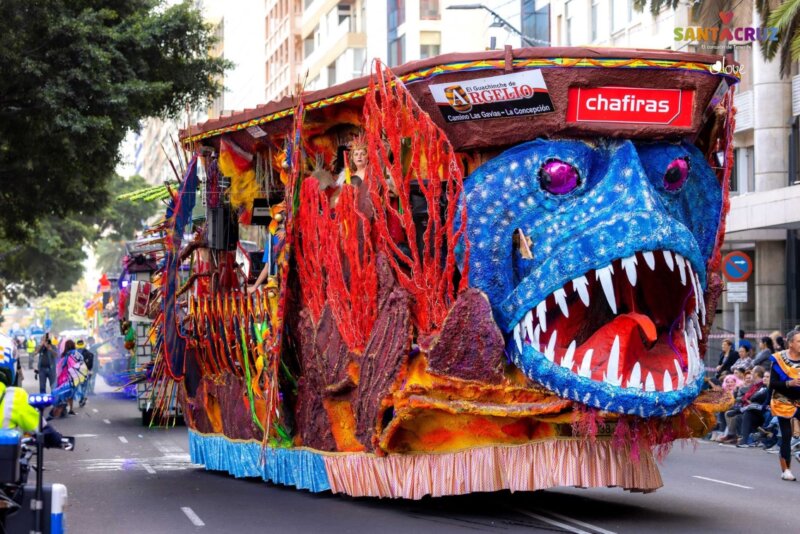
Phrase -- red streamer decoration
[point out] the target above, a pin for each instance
(405, 146)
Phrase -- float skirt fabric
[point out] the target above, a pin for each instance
(529, 467)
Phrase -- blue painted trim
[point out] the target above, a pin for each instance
(292, 467)
(57, 524)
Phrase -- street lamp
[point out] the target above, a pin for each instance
(499, 22)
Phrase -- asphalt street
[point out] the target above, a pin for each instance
(123, 477)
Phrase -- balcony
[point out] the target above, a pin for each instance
(332, 45)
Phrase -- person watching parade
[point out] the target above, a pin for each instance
(784, 383)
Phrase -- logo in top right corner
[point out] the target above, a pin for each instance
(725, 32)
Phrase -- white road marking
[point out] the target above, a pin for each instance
(123, 439)
(176, 462)
(106, 421)
(196, 521)
(559, 524)
(721, 482)
(85, 435)
(141, 436)
(94, 410)
(582, 523)
(167, 449)
(149, 469)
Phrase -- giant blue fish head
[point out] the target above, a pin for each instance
(593, 256)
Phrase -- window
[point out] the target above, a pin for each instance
(428, 51)
(742, 174)
(568, 7)
(396, 11)
(536, 22)
(595, 13)
(429, 10)
(430, 44)
(397, 51)
(621, 14)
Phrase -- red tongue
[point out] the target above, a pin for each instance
(630, 328)
(647, 326)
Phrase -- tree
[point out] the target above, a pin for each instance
(51, 260)
(67, 310)
(785, 17)
(77, 76)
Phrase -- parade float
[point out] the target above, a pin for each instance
(482, 271)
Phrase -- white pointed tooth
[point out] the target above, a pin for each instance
(668, 259)
(604, 275)
(586, 365)
(561, 298)
(568, 360)
(527, 322)
(667, 386)
(518, 336)
(649, 259)
(649, 383)
(541, 313)
(681, 268)
(690, 271)
(535, 339)
(580, 284)
(681, 379)
(612, 371)
(689, 359)
(702, 298)
(698, 332)
(635, 380)
(550, 351)
(629, 264)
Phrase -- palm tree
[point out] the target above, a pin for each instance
(785, 17)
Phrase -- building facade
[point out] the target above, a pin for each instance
(283, 47)
(764, 182)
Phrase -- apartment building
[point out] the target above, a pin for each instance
(764, 182)
(334, 41)
(240, 37)
(283, 48)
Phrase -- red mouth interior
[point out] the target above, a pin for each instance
(649, 324)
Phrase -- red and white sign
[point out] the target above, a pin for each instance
(632, 105)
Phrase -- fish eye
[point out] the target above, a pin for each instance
(676, 174)
(558, 177)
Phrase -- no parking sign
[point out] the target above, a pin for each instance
(737, 268)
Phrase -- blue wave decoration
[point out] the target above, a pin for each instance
(292, 467)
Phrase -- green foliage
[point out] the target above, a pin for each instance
(77, 75)
(50, 260)
(121, 219)
(655, 5)
(785, 17)
(66, 310)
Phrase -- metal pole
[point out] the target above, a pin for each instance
(38, 501)
(736, 325)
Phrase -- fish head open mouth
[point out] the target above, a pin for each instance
(594, 258)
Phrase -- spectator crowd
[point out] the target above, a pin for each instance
(765, 384)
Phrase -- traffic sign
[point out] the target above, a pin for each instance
(736, 266)
(737, 292)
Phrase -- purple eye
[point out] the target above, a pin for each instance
(676, 175)
(558, 177)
